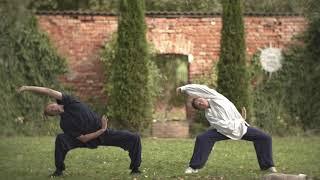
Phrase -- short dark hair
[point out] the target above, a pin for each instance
(45, 112)
(193, 103)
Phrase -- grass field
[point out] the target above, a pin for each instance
(32, 158)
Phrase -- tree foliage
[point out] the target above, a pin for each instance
(296, 6)
(26, 58)
(268, 96)
(288, 100)
(108, 57)
(232, 70)
(130, 98)
(303, 70)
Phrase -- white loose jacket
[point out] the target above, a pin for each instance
(222, 114)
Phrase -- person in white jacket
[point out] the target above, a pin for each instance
(226, 123)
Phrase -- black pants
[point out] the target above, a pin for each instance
(205, 141)
(123, 139)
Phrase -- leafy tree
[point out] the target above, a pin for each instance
(130, 98)
(232, 69)
(26, 57)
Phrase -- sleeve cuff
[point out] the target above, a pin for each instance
(75, 134)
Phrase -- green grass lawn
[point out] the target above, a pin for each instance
(32, 158)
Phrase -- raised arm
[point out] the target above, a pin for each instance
(198, 90)
(42, 90)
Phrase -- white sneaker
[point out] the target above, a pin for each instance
(190, 170)
(272, 170)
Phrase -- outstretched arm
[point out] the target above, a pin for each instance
(88, 137)
(42, 90)
(198, 91)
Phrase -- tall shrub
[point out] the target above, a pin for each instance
(26, 58)
(303, 69)
(154, 77)
(288, 101)
(130, 97)
(268, 95)
(232, 70)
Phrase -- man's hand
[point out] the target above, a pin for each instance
(178, 90)
(104, 122)
(244, 113)
(21, 89)
(88, 137)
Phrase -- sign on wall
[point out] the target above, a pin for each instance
(270, 59)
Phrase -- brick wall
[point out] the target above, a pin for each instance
(172, 129)
(79, 37)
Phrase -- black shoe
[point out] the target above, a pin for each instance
(56, 173)
(135, 172)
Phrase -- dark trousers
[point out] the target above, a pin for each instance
(205, 141)
(123, 139)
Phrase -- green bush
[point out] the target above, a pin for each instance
(268, 96)
(287, 101)
(302, 62)
(27, 58)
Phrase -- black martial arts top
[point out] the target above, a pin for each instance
(77, 119)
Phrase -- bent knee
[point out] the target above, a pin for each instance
(269, 138)
(60, 137)
(201, 138)
(135, 137)
(266, 137)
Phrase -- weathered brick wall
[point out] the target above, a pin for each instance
(172, 129)
(80, 37)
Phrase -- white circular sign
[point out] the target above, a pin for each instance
(270, 59)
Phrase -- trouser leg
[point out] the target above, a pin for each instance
(263, 146)
(126, 140)
(203, 146)
(63, 144)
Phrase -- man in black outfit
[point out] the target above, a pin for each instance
(82, 128)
